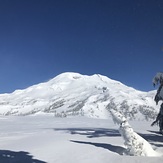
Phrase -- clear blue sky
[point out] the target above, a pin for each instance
(39, 39)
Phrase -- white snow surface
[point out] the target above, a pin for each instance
(46, 139)
(87, 134)
(70, 94)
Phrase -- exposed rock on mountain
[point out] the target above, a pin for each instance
(71, 94)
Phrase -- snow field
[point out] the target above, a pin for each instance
(61, 140)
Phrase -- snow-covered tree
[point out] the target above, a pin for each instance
(135, 144)
(158, 80)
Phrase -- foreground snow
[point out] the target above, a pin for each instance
(47, 139)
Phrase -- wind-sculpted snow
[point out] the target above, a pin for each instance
(71, 94)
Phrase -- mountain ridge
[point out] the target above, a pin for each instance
(70, 94)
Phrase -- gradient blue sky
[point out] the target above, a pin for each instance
(39, 39)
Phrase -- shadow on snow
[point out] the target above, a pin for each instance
(95, 133)
(91, 132)
(154, 138)
(7, 156)
(116, 149)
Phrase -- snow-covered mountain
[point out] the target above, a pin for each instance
(74, 94)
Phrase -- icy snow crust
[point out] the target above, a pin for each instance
(71, 94)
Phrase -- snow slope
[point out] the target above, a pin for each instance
(46, 139)
(70, 94)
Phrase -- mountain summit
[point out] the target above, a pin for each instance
(70, 94)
